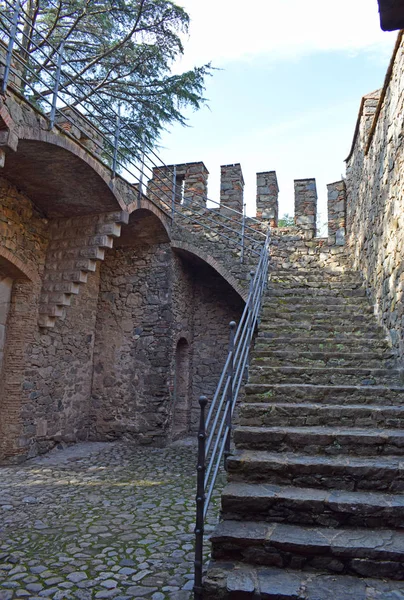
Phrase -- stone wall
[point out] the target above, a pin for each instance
(375, 198)
(133, 348)
(23, 242)
(217, 305)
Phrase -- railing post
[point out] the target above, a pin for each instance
(116, 142)
(229, 399)
(140, 188)
(9, 55)
(242, 235)
(56, 86)
(250, 311)
(174, 191)
(200, 500)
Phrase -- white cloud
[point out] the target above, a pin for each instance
(228, 30)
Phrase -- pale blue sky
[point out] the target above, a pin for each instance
(287, 94)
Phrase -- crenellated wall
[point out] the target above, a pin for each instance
(375, 198)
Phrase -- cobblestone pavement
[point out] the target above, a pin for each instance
(100, 521)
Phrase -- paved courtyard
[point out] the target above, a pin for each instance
(100, 521)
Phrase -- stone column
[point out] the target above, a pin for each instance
(306, 206)
(231, 189)
(336, 213)
(160, 187)
(195, 184)
(267, 197)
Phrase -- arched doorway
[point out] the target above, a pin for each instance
(181, 405)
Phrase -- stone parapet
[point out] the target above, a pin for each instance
(267, 197)
(79, 127)
(336, 213)
(306, 206)
(231, 188)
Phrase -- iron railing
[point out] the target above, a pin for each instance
(214, 433)
(115, 142)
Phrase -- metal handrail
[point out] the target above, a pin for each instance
(215, 428)
(114, 145)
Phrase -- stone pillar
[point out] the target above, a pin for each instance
(336, 213)
(267, 197)
(195, 183)
(306, 206)
(231, 188)
(160, 187)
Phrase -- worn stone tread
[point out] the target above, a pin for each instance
(314, 440)
(342, 550)
(263, 339)
(331, 375)
(270, 353)
(276, 503)
(228, 580)
(317, 471)
(314, 414)
(327, 394)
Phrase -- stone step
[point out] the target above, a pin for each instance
(67, 287)
(100, 240)
(308, 506)
(81, 252)
(73, 276)
(309, 309)
(327, 472)
(314, 276)
(284, 358)
(344, 292)
(350, 551)
(82, 264)
(324, 394)
(314, 285)
(331, 441)
(325, 375)
(46, 321)
(306, 414)
(320, 344)
(303, 301)
(325, 329)
(52, 310)
(344, 317)
(230, 580)
(59, 298)
(112, 229)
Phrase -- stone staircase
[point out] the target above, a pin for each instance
(76, 245)
(314, 504)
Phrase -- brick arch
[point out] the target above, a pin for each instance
(216, 265)
(18, 269)
(146, 204)
(112, 187)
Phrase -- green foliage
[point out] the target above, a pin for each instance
(116, 53)
(286, 221)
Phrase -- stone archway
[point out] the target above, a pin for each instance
(181, 405)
